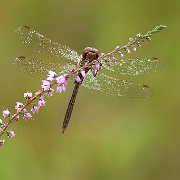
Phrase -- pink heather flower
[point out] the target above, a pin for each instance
(134, 49)
(78, 79)
(103, 55)
(18, 105)
(41, 102)
(6, 113)
(128, 51)
(27, 116)
(98, 67)
(94, 72)
(122, 55)
(35, 109)
(28, 95)
(50, 92)
(117, 49)
(111, 53)
(11, 134)
(46, 85)
(60, 80)
(114, 59)
(83, 73)
(2, 143)
(108, 63)
(61, 88)
(51, 76)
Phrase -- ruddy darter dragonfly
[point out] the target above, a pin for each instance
(101, 82)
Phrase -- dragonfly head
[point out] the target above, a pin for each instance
(90, 54)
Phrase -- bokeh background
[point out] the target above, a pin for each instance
(108, 137)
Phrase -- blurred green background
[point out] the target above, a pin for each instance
(108, 137)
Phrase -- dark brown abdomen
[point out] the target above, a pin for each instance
(70, 107)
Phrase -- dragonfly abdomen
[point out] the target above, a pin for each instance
(70, 107)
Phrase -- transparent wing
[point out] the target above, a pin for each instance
(45, 46)
(39, 68)
(116, 87)
(101, 82)
(134, 66)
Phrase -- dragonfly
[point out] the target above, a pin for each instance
(100, 82)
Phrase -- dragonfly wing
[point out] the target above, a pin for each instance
(116, 87)
(45, 46)
(134, 66)
(39, 68)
